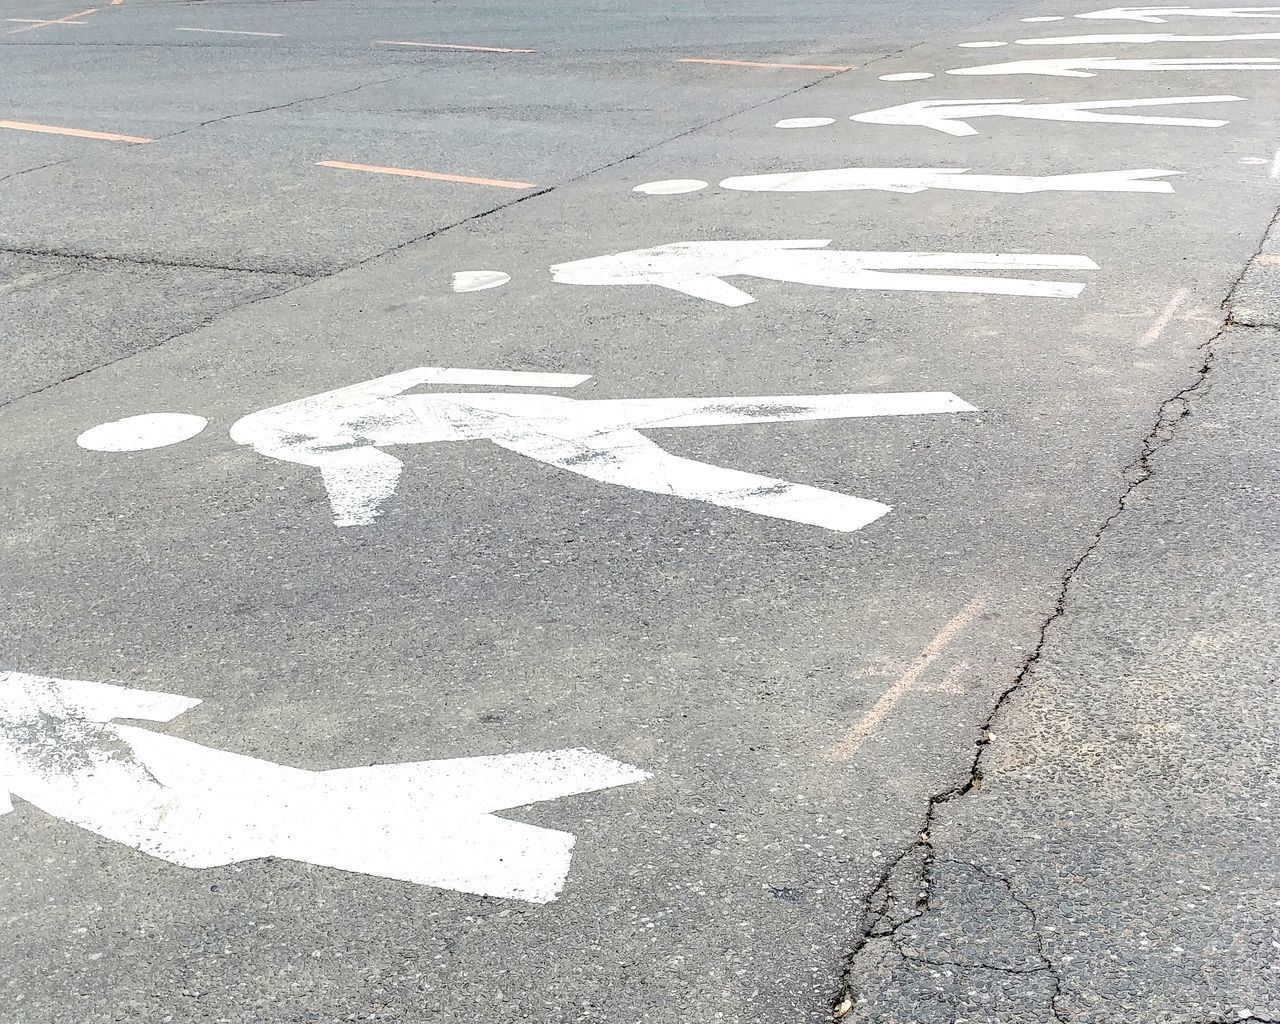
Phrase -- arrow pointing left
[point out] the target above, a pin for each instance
(425, 822)
(952, 116)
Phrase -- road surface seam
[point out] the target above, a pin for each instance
(88, 257)
(877, 905)
(38, 167)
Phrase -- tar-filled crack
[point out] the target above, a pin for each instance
(877, 923)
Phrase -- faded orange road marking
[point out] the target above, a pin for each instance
(79, 133)
(757, 64)
(907, 682)
(66, 19)
(405, 172)
(451, 46)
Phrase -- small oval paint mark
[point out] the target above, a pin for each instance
(138, 433)
(671, 187)
(1045, 17)
(1252, 160)
(479, 280)
(984, 44)
(907, 76)
(804, 122)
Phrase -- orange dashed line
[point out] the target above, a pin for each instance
(757, 64)
(65, 19)
(452, 46)
(78, 133)
(432, 175)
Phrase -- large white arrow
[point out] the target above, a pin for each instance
(426, 822)
(1160, 15)
(1088, 67)
(950, 116)
(1140, 37)
(918, 179)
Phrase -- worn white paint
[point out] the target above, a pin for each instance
(1160, 15)
(425, 822)
(1141, 37)
(804, 122)
(671, 187)
(479, 280)
(343, 434)
(1046, 17)
(951, 116)
(1088, 67)
(984, 44)
(699, 269)
(137, 433)
(907, 76)
(917, 179)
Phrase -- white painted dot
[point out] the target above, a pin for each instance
(984, 45)
(907, 76)
(804, 122)
(1046, 17)
(671, 187)
(138, 433)
(479, 280)
(1252, 160)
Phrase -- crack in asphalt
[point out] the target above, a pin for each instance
(878, 904)
(38, 167)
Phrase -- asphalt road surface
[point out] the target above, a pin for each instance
(448, 576)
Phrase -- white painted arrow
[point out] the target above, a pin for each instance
(1140, 37)
(918, 179)
(425, 822)
(1088, 67)
(1160, 15)
(950, 116)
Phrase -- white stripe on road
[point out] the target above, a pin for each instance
(228, 32)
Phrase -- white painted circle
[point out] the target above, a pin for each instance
(984, 45)
(804, 122)
(671, 187)
(907, 76)
(479, 280)
(1046, 17)
(138, 433)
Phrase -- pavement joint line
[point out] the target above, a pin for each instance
(84, 257)
(228, 32)
(64, 20)
(452, 46)
(760, 64)
(79, 133)
(431, 175)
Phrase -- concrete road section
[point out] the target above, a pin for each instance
(729, 512)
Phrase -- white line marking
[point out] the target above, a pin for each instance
(343, 434)
(1164, 319)
(479, 281)
(1088, 67)
(918, 179)
(951, 116)
(699, 269)
(425, 822)
(228, 32)
(1139, 37)
(1156, 15)
(908, 681)
(1275, 165)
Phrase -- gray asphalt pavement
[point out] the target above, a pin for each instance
(1002, 755)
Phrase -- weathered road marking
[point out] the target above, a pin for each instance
(763, 64)
(1153, 333)
(1088, 67)
(951, 116)
(79, 133)
(66, 19)
(452, 46)
(602, 440)
(919, 179)
(229, 32)
(424, 822)
(405, 172)
(1137, 37)
(699, 269)
(1160, 15)
(907, 682)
